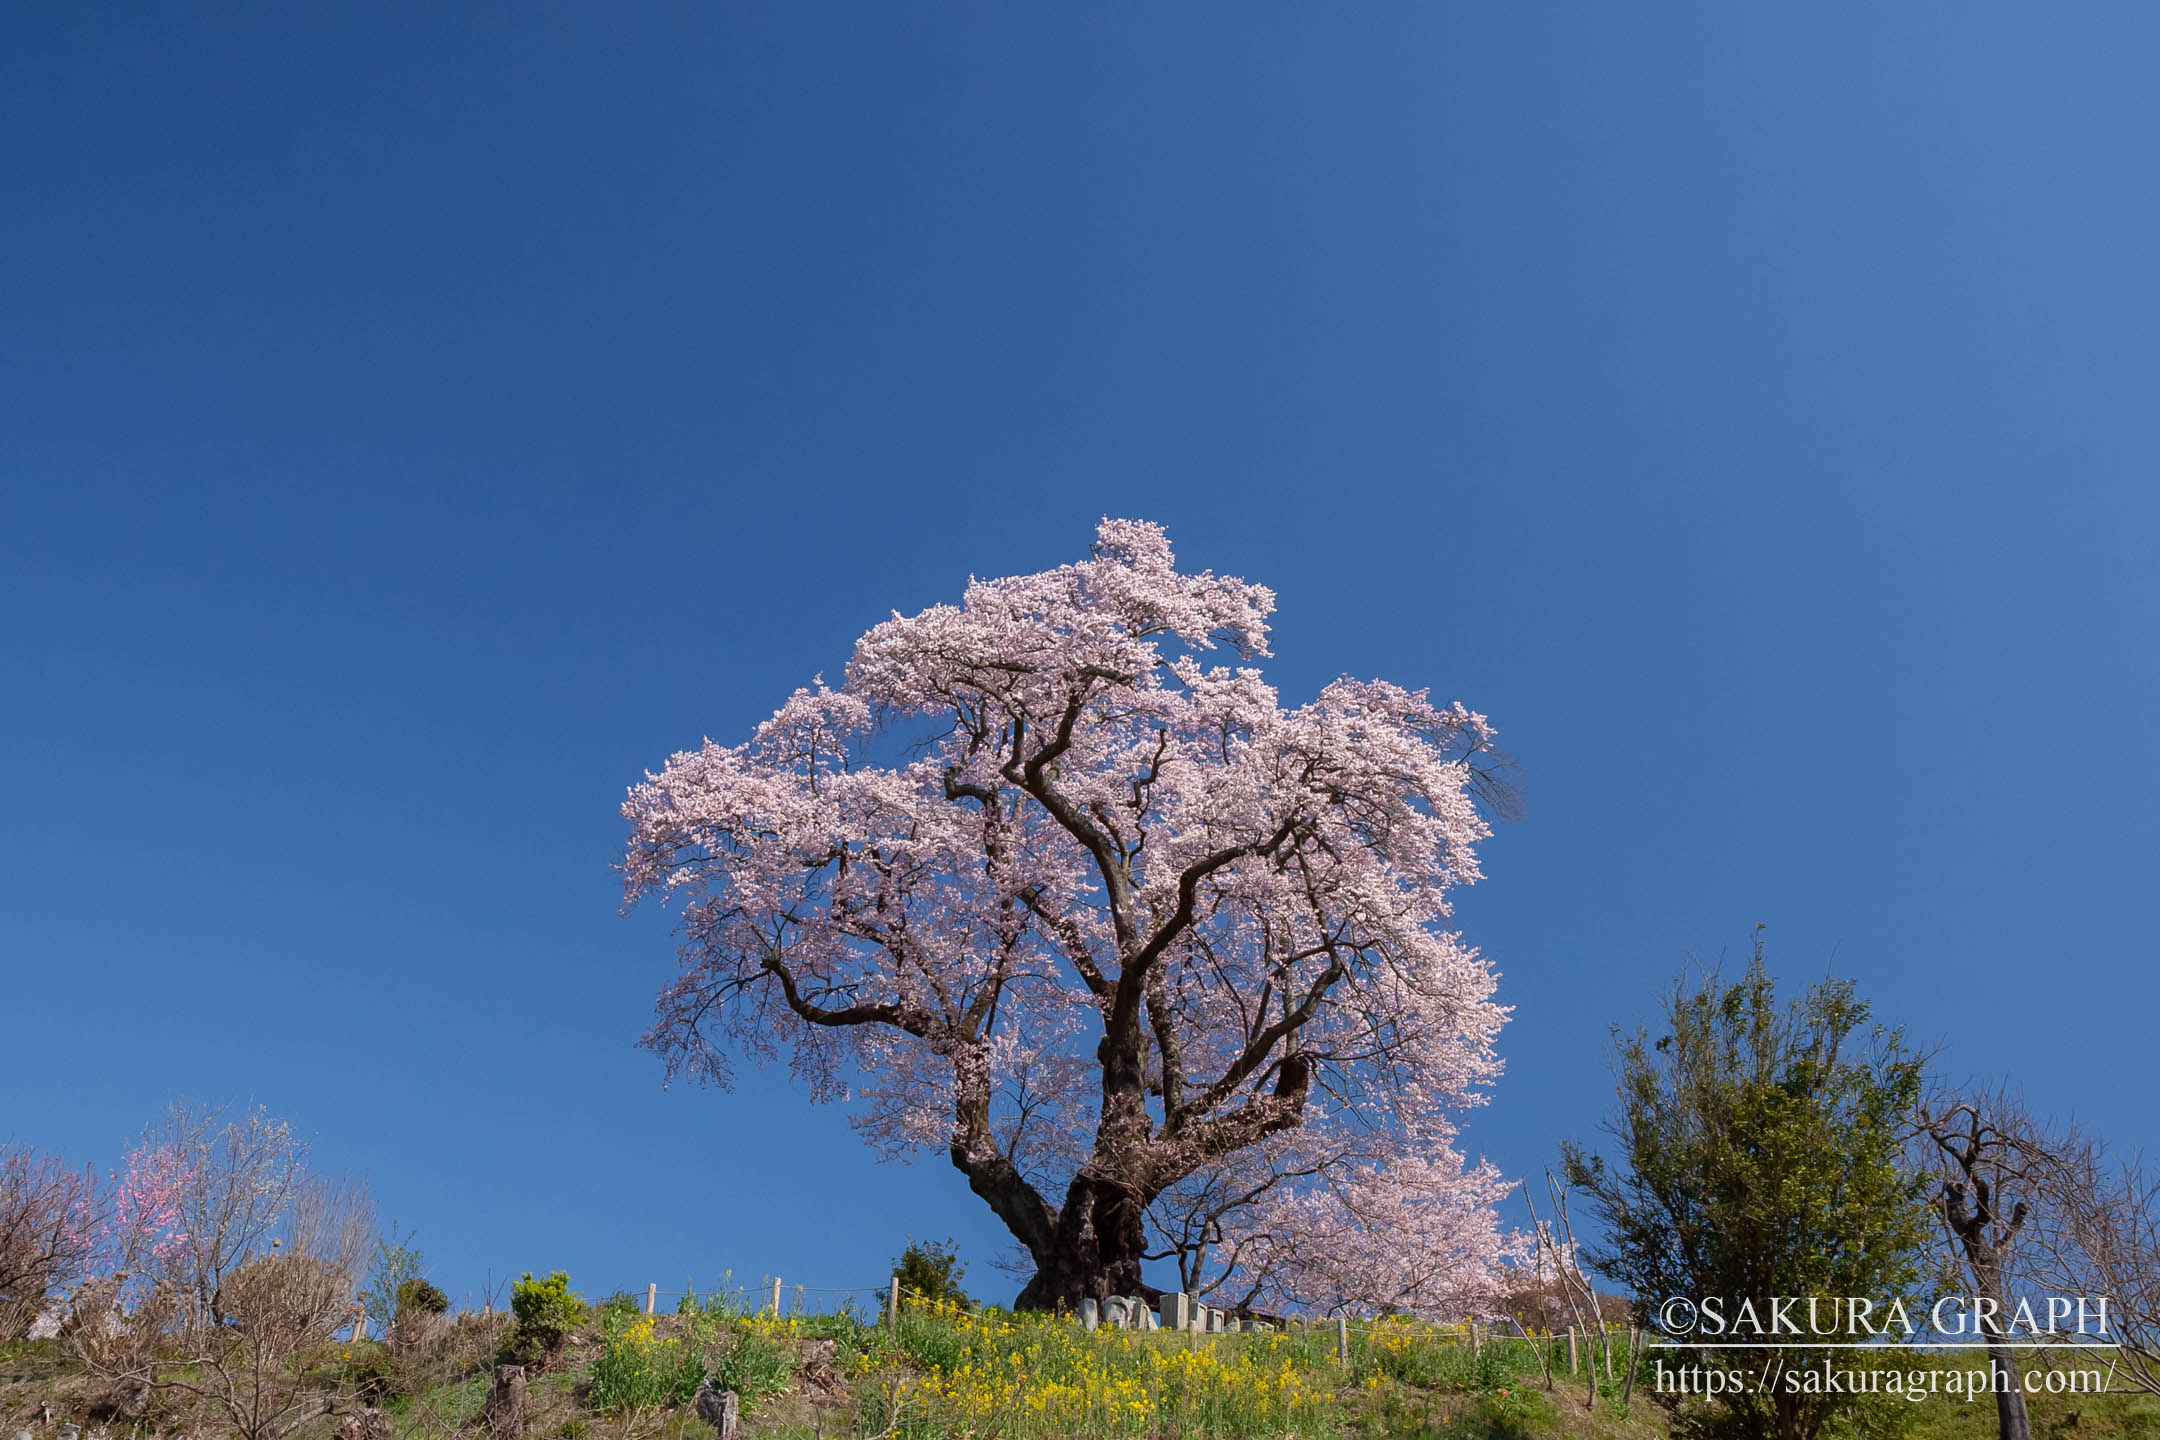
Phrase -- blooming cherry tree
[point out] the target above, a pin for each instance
(1328, 1221)
(1041, 886)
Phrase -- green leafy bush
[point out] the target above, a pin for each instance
(374, 1374)
(421, 1297)
(1762, 1153)
(932, 1271)
(544, 1313)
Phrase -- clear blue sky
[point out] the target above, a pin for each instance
(415, 421)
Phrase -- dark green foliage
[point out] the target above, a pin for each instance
(1761, 1156)
(421, 1297)
(374, 1373)
(932, 1271)
(544, 1313)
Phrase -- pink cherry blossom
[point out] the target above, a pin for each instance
(1049, 885)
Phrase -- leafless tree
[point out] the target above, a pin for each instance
(278, 1313)
(238, 1313)
(1993, 1161)
(1560, 1258)
(2049, 1211)
(47, 1212)
(2102, 1238)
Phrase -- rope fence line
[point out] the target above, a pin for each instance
(1618, 1348)
(1191, 1315)
(772, 1290)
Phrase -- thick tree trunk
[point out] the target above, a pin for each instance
(1095, 1243)
(2011, 1421)
(1984, 1236)
(1785, 1406)
(1094, 1250)
(2010, 1418)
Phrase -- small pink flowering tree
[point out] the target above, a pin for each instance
(145, 1224)
(1050, 893)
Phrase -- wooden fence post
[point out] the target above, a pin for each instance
(892, 1303)
(776, 1297)
(1342, 1338)
(1573, 1366)
(652, 1295)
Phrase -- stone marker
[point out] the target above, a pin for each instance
(1090, 1315)
(1176, 1310)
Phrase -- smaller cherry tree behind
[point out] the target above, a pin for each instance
(1042, 889)
(1325, 1222)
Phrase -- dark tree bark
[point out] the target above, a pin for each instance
(1983, 1256)
(1975, 1147)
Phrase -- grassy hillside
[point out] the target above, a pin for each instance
(944, 1373)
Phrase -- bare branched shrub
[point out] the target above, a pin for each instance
(47, 1215)
(278, 1313)
(333, 1221)
(230, 1294)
